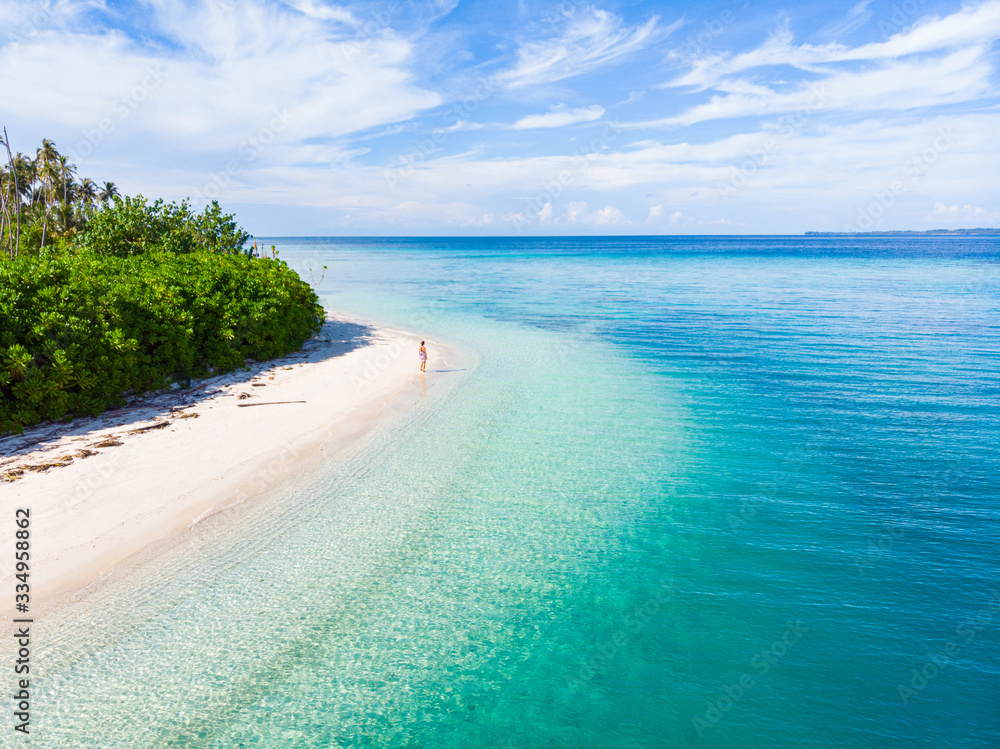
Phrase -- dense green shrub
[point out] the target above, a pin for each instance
(79, 331)
(132, 226)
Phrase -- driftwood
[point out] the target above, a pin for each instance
(271, 403)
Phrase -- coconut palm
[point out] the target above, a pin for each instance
(24, 169)
(67, 175)
(86, 194)
(46, 160)
(108, 191)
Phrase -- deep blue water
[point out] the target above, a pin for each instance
(694, 492)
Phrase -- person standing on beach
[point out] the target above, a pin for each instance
(423, 357)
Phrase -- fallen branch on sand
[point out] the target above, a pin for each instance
(272, 403)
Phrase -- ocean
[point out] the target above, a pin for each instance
(685, 492)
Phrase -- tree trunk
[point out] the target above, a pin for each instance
(16, 248)
(5, 222)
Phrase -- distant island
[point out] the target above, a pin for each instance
(929, 232)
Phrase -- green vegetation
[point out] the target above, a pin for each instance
(98, 302)
(131, 226)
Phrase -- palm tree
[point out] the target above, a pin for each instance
(86, 193)
(30, 167)
(108, 191)
(67, 172)
(46, 159)
(18, 176)
(25, 175)
(24, 168)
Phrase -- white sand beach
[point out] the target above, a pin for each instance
(102, 490)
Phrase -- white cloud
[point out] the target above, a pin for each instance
(217, 82)
(592, 38)
(461, 125)
(485, 220)
(963, 75)
(832, 171)
(219, 77)
(560, 117)
(633, 96)
(936, 62)
(656, 213)
(24, 20)
(610, 216)
(576, 213)
(973, 25)
(324, 12)
(441, 7)
(966, 213)
(857, 17)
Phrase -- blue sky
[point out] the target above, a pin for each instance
(309, 117)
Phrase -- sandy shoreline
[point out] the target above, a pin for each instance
(104, 489)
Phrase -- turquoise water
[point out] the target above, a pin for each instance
(734, 492)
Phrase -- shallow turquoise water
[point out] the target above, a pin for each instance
(693, 493)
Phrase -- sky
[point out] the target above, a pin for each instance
(497, 117)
